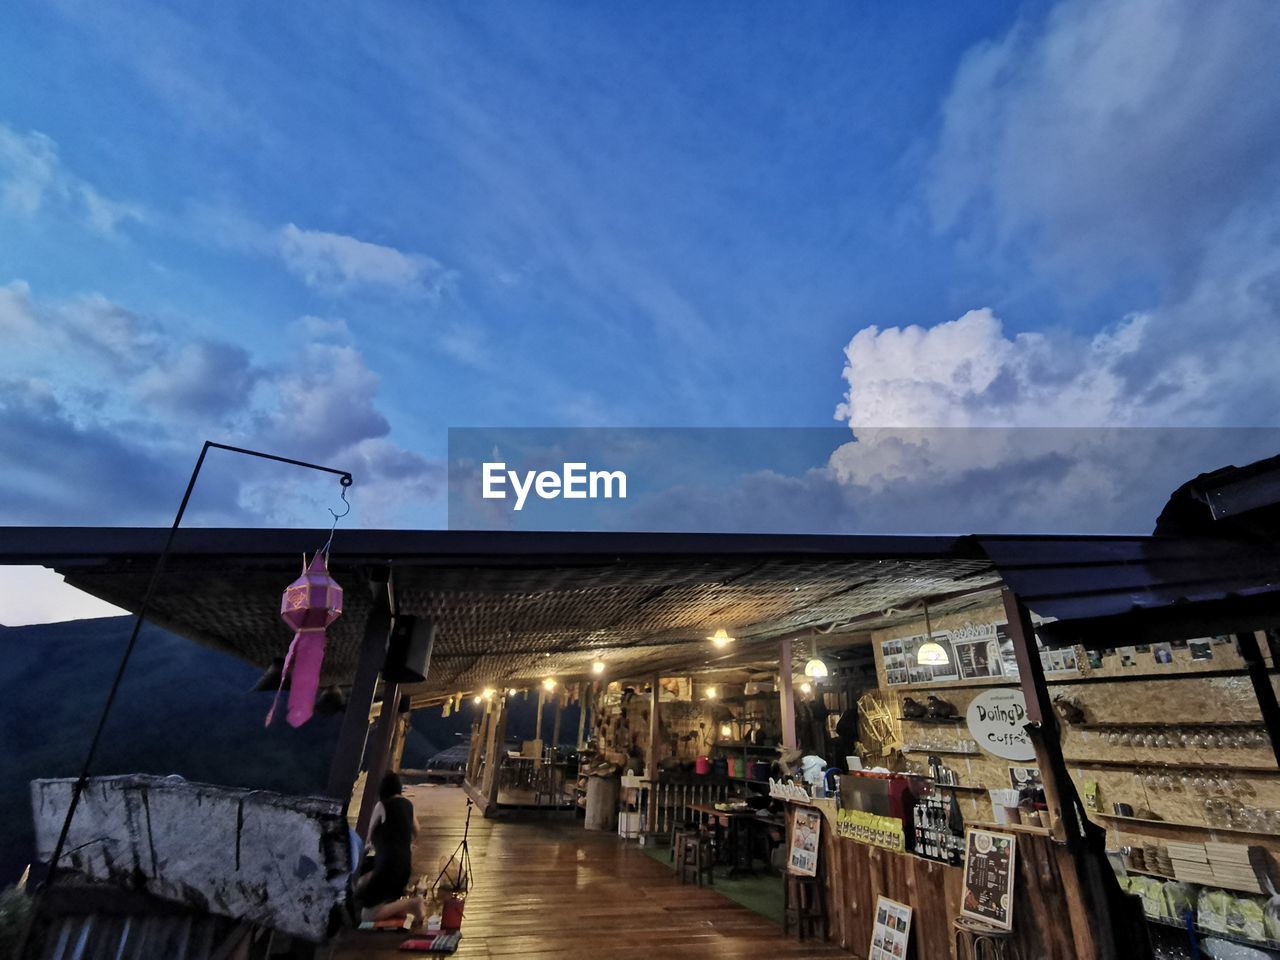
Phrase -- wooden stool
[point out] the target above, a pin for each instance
(697, 857)
(977, 941)
(678, 832)
(803, 907)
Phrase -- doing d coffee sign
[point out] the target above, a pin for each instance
(997, 721)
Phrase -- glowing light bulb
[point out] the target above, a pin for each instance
(932, 654)
(598, 667)
(806, 687)
(712, 693)
(815, 668)
(549, 684)
(726, 731)
(512, 692)
(488, 693)
(721, 638)
(476, 699)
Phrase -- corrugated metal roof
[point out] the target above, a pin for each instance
(1107, 592)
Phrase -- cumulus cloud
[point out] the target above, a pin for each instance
(336, 264)
(33, 180)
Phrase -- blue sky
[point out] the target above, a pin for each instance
(337, 230)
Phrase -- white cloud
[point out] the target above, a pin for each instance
(336, 264)
(33, 180)
(1113, 134)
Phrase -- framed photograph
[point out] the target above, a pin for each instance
(891, 930)
(806, 832)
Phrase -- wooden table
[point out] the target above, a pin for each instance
(736, 825)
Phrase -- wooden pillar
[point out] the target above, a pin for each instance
(349, 752)
(379, 753)
(582, 721)
(1105, 923)
(479, 733)
(1262, 689)
(655, 733)
(787, 696)
(555, 725)
(537, 724)
(495, 752)
(403, 722)
(1064, 819)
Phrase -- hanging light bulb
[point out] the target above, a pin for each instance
(721, 638)
(549, 684)
(512, 692)
(815, 668)
(476, 699)
(931, 653)
(726, 731)
(806, 687)
(488, 693)
(712, 693)
(598, 667)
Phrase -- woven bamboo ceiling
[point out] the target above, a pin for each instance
(511, 608)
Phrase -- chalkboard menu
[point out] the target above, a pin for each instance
(988, 877)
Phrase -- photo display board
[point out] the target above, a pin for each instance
(806, 831)
(988, 877)
(975, 651)
(891, 930)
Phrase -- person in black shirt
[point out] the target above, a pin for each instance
(392, 831)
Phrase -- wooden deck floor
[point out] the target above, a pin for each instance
(545, 888)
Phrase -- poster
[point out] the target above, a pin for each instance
(806, 831)
(978, 650)
(890, 931)
(988, 877)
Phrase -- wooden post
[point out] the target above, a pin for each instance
(1063, 819)
(537, 724)
(555, 725)
(582, 720)
(403, 722)
(655, 734)
(1262, 689)
(349, 752)
(478, 732)
(1104, 921)
(787, 696)
(379, 753)
(494, 750)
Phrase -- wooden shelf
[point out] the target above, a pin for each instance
(950, 751)
(963, 787)
(1138, 823)
(937, 720)
(1009, 827)
(1170, 765)
(737, 745)
(1157, 724)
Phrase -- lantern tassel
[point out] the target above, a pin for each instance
(304, 660)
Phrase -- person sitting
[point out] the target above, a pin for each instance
(392, 830)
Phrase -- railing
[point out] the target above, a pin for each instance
(674, 797)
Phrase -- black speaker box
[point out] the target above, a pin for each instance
(409, 652)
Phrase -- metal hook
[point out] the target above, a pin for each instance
(336, 517)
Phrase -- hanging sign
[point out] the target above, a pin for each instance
(806, 831)
(988, 877)
(997, 722)
(891, 930)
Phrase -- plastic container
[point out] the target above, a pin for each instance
(451, 916)
(702, 766)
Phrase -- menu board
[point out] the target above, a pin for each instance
(988, 877)
(891, 930)
(806, 831)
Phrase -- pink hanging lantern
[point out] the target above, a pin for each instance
(308, 605)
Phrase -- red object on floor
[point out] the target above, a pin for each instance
(451, 916)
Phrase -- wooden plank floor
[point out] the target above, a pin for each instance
(545, 888)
